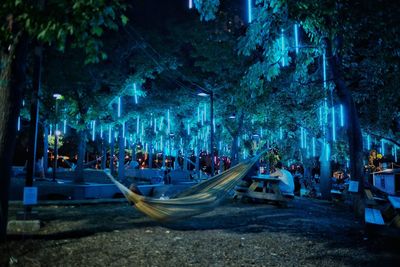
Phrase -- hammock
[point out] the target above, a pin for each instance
(198, 199)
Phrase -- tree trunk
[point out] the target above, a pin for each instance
(45, 147)
(79, 178)
(151, 157)
(12, 77)
(325, 175)
(112, 144)
(353, 127)
(104, 154)
(234, 150)
(121, 155)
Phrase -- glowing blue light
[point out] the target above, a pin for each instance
(213, 125)
(333, 124)
(155, 125)
(51, 129)
(313, 147)
(123, 129)
(324, 68)
(161, 142)
(280, 133)
(19, 123)
(101, 131)
(305, 138)
(220, 145)
(188, 128)
(395, 152)
(382, 146)
(261, 132)
(250, 17)
(283, 48)
(368, 142)
(341, 116)
(198, 114)
(109, 134)
(301, 137)
(23, 102)
(168, 121)
(119, 106)
(296, 36)
(326, 111)
(134, 92)
(137, 124)
(205, 112)
(238, 142)
(202, 118)
(327, 151)
(190, 4)
(142, 129)
(94, 130)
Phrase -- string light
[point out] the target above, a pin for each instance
(333, 124)
(119, 106)
(250, 17)
(93, 130)
(296, 36)
(283, 48)
(341, 116)
(135, 94)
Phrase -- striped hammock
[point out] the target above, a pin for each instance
(195, 200)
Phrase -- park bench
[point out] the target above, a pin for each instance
(373, 216)
(395, 203)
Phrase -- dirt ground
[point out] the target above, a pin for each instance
(307, 233)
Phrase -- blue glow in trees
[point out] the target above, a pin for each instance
(135, 93)
(324, 69)
(301, 137)
(123, 129)
(109, 134)
(249, 14)
(283, 48)
(368, 142)
(333, 124)
(168, 122)
(19, 123)
(382, 146)
(65, 126)
(188, 128)
(119, 106)
(296, 37)
(51, 129)
(395, 152)
(155, 125)
(93, 130)
(313, 147)
(280, 133)
(101, 131)
(341, 116)
(190, 4)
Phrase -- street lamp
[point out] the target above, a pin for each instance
(57, 133)
(210, 93)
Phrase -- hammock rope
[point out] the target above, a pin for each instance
(195, 200)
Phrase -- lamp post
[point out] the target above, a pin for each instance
(56, 134)
(210, 93)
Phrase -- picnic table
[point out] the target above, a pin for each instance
(262, 187)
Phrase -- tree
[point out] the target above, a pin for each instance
(24, 23)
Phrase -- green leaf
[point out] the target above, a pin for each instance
(97, 31)
(124, 19)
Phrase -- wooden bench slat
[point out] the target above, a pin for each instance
(395, 201)
(373, 216)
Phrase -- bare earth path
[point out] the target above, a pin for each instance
(308, 233)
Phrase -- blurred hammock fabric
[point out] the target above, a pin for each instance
(198, 199)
